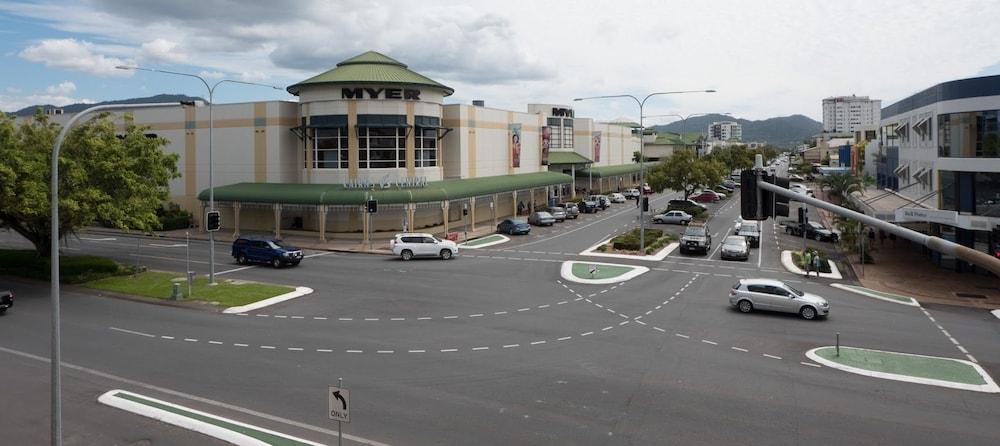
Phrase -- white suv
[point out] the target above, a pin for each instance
(409, 245)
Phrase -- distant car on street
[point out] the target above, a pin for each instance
(688, 206)
(412, 244)
(265, 250)
(617, 198)
(631, 193)
(541, 218)
(558, 213)
(751, 231)
(6, 300)
(814, 230)
(706, 197)
(774, 295)
(572, 210)
(512, 226)
(673, 217)
(696, 238)
(589, 207)
(735, 247)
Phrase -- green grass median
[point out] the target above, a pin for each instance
(159, 285)
(905, 365)
(582, 270)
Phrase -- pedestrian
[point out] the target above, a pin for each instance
(807, 261)
(881, 237)
(871, 238)
(892, 238)
(816, 263)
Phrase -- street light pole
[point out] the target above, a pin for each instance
(642, 146)
(211, 163)
(55, 361)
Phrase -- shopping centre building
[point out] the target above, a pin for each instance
(372, 129)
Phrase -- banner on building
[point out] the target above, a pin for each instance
(515, 145)
(546, 139)
(597, 147)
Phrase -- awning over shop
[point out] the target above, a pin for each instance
(608, 171)
(337, 194)
(883, 204)
(567, 158)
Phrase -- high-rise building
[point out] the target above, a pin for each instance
(725, 131)
(846, 114)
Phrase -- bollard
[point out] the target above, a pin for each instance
(838, 344)
(177, 292)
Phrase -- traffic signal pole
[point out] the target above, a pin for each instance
(938, 244)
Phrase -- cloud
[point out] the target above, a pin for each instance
(77, 55)
(59, 95)
(211, 74)
(13, 90)
(65, 88)
(163, 50)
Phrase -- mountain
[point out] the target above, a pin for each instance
(74, 108)
(785, 131)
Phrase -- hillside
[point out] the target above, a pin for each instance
(785, 131)
(74, 108)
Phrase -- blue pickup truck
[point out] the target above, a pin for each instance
(263, 250)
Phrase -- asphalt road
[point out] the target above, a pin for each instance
(494, 347)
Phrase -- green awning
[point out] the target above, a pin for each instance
(567, 158)
(608, 171)
(336, 194)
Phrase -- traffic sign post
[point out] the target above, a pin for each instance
(340, 406)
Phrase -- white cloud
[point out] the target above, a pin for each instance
(64, 88)
(77, 55)
(59, 95)
(13, 90)
(163, 50)
(253, 76)
(211, 74)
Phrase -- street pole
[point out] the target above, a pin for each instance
(642, 144)
(805, 221)
(55, 362)
(861, 242)
(187, 260)
(211, 161)
(340, 428)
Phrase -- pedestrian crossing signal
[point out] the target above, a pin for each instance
(372, 206)
(213, 221)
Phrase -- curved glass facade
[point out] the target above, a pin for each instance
(969, 134)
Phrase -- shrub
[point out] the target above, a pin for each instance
(629, 241)
(72, 269)
(824, 266)
(173, 217)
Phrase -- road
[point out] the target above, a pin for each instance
(494, 347)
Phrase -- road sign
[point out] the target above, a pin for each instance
(340, 406)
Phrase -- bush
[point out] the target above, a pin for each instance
(824, 266)
(72, 269)
(173, 217)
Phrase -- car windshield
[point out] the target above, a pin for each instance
(748, 227)
(274, 244)
(735, 241)
(695, 231)
(795, 291)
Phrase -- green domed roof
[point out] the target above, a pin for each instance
(371, 68)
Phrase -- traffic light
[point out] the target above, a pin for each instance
(803, 215)
(748, 195)
(213, 221)
(645, 204)
(465, 210)
(372, 206)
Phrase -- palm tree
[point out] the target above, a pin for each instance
(841, 185)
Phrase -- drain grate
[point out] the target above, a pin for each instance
(970, 295)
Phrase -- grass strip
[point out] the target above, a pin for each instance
(943, 369)
(582, 270)
(159, 285)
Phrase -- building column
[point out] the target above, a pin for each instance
(277, 221)
(493, 209)
(364, 224)
(444, 212)
(513, 196)
(321, 214)
(236, 219)
(531, 204)
(472, 213)
(202, 217)
(411, 210)
(572, 187)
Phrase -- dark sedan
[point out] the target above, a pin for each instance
(813, 230)
(6, 300)
(513, 227)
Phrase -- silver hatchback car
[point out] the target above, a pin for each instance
(774, 295)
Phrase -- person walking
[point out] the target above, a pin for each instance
(816, 263)
(881, 237)
(807, 262)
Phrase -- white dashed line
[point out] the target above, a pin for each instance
(319, 318)
(384, 352)
(500, 312)
(640, 322)
(417, 351)
(190, 340)
(607, 328)
(709, 342)
(682, 336)
(740, 349)
(345, 319)
(770, 356)
(268, 347)
(523, 309)
(511, 345)
(355, 351)
(167, 337)
(450, 317)
(587, 333)
(475, 349)
(562, 302)
(476, 315)
(537, 342)
(371, 318)
(398, 319)
(295, 349)
(424, 318)
(564, 338)
(215, 342)
(543, 306)
(241, 345)
(280, 316)
(659, 329)
(298, 317)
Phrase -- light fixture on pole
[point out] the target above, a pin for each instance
(211, 163)
(55, 361)
(642, 144)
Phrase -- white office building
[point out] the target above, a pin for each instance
(725, 131)
(846, 114)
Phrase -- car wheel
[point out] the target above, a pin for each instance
(276, 262)
(446, 254)
(241, 259)
(406, 254)
(745, 306)
(808, 313)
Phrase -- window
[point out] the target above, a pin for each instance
(330, 148)
(969, 134)
(562, 133)
(426, 138)
(381, 148)
(757, 288)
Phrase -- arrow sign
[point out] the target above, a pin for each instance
(340, 406)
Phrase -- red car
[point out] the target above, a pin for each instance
(705, 197)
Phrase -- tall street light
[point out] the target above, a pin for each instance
(642, 145)
(211, 164)
(685, 118)
(56, 361)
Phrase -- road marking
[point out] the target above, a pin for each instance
(682, 335)
(279, 316)
(268, 347)
(811, 364)
(543, 306)
(537, 342)
(623, 322)
(132, 332)
(607, 328)
(167, 337)
(511, 345)
(450, 317)
(500, 312)
(709, 342)
(562, 302)
(324, 350)
(770, 356)
(659, 329)
(599, 305)
(190, 340)
(740, 349)
(318, 254)
(479, 348)
(564, 338)
(640, 322)
(241, 345)
(355, 351)
(417, 351)
(262, 315)
(235, 270)
(587, 333)
(476, 315)
(523, 309)
(295, 349)
(371, 318)
(385, 352)
(298, 317)
(397, 319)
(319, 318)
(215, 342)
(345, 319)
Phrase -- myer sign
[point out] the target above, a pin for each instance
(380, 93)
(386, 182)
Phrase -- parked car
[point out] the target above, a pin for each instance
(773, 295)
(541, 219)
(248, 249)
(617, 198)
(685, 205)
(6, 300)
(735, 247)
(558, 213)
(411, 244)
(737, 223)
(603, 201)
(724, 189)
(572, 210)
(589, 206)
(696, 238)
(706, 197)
(731, 184)
(512, 226)
(631, 193)
(673, 217)
(814, 230)
(751, 231)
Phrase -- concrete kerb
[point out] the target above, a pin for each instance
(114, 398)
(566, 271)
(660, 255)
(299, 292)
(996, 313)
(989, 387)
(499, 240)
(786, 261)
(912, 303)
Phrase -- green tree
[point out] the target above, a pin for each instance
(841, 185)
(733, 157)
(117, 180)
(636, 157)
(686, 172)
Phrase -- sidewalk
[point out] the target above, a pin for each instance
(904, 268)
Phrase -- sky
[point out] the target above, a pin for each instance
(764, 58)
